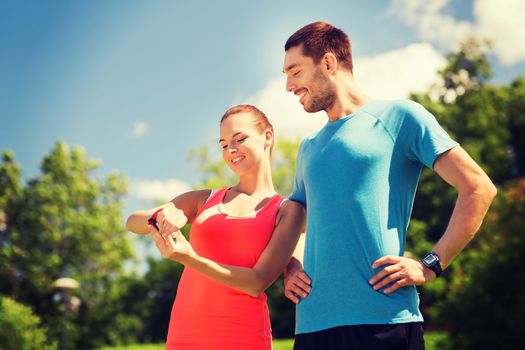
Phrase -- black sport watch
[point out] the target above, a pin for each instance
(431, 261)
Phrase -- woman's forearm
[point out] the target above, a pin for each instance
(138, 221)
(245, 279)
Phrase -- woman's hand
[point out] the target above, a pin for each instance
(170, 220)
(174, 246)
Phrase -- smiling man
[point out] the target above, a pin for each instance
(357, 178)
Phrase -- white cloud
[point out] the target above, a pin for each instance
(390, 75)
(158, 190)
(504, 24)
(501, 22)
(139, 129)
(432, 24)
(395, 74)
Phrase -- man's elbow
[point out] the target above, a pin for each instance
(482, 187)
(489, 190)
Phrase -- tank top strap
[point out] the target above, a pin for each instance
(277, 200)
(274, 204)
(214, 198)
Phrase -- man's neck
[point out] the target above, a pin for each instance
(349, 99)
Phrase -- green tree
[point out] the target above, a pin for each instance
(150, 297)
(486, 281)
(159, 288)
(489, 122)
(485, 305)
(20, 329)
(516, 110)
(476, 117)
(64, 222)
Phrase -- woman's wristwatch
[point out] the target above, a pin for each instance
(153, 219)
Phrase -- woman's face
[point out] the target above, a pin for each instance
(244, 147)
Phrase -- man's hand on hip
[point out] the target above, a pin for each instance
(398, 272)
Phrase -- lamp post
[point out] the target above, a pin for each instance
(62, 294)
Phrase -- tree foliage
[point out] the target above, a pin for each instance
(20, 329)
(63, 222)
(150, 297)
(485, 305)
(489, 122)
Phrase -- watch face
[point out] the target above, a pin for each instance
(430, 259)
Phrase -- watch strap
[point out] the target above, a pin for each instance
(153, 218)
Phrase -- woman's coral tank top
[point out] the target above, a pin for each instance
(207, 315)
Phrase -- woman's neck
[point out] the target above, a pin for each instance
(256, 184)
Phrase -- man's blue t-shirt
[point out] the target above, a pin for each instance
(357, 178)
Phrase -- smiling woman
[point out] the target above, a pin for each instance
(241, 239)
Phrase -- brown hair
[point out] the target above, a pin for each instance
(319, 38)
(261, 121)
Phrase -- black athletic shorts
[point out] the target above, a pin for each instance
(402, 336)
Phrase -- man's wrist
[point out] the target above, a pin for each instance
(428, 274)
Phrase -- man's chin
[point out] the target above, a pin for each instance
(309, 109)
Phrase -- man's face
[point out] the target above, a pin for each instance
(306, 79)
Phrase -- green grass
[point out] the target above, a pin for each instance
(431, 338)
(278, 344)
(283, 344)
(135, 347)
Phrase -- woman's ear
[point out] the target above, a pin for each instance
(268, 135)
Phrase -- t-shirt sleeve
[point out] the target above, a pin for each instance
(298, 193)
(425, 139)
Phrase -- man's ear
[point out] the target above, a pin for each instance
(329, 63)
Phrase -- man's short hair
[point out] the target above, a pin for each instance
(319, 38)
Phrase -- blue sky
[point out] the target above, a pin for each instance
(140, 83)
